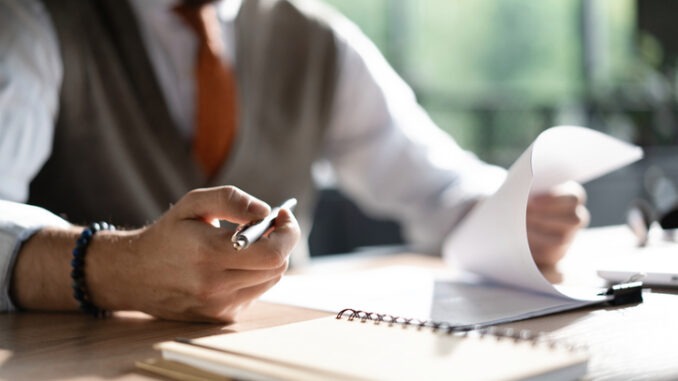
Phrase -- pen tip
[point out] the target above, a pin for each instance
(240, 243)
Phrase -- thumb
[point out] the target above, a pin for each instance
(224, 203)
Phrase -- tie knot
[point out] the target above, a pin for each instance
(202, 18)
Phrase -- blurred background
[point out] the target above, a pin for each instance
(494, 74)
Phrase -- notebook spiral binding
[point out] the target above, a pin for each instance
(451, 329)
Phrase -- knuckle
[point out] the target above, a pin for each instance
(579, 192)
(276, 273)
(234, 197)
(572, 200)
(229, 193)
(583, 216)
(249, 205)
(282, 269)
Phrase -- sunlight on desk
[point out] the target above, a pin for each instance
(615, 247)
(629, 342)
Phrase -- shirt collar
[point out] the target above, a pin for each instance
(226, 9)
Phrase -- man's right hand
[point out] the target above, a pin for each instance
(181, 267)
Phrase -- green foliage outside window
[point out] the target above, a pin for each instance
(495, 73)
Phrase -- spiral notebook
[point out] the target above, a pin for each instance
(357, 345)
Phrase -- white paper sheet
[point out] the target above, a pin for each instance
(492, 241)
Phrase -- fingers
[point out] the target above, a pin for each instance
(227, 307)
(562, 209)
(250, 272)
(545, 238)
(232, 204)
(553, 220)
(562, 198)
(215, 288)
(549, 240)
(224, 203)
(546, 254)
(284, 235)
(271, 251)
(548, 246)
(232, 280)
(567, 219)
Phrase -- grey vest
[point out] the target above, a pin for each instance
(117, 155)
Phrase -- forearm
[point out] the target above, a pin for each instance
(41, 279)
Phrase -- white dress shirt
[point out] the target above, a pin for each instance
(378, 134)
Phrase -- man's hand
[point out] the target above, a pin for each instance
(184, 268)
(181, 267)
(553, 218)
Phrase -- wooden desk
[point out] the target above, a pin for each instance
(631, 342)
(62, 346)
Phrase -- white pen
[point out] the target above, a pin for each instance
(248, 234)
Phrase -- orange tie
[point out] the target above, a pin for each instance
(216, 91)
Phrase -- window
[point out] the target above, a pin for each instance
(496, 73)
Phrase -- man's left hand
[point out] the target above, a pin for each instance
(553, 218)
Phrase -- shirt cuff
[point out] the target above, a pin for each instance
(18, 222)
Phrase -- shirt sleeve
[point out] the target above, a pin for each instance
(18, 223)
(390, 157)
(30, 78)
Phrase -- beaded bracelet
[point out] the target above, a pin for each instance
(78, 269)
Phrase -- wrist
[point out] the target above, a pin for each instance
(78, 266)
(108, 268)
(41, 278)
